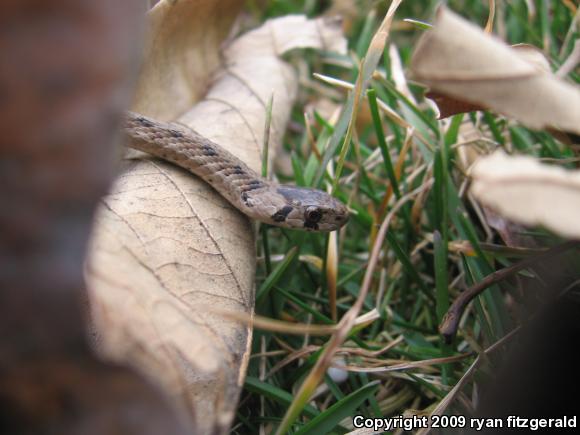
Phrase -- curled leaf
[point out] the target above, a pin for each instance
(166, 244)
(526, 191)
(459, 60)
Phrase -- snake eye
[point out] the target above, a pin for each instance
(313, 214)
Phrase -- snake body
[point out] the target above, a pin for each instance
(258, 198)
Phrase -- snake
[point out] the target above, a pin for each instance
(258, 198)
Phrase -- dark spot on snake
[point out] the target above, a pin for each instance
(238, 170)
(282, 214)
(208, 150)
(145, 122)
(252, 185)
(311, 225)
(175, 133)
(245, 198)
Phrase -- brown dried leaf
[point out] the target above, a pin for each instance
(526, 191)
(167, 247)
(459, 60)
(449, 106)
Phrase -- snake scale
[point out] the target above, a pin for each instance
(260, 199)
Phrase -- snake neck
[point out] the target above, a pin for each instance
(232, 178)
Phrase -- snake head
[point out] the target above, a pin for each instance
(310, 210)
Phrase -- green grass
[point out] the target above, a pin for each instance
(378, 163)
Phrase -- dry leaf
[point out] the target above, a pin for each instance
(533, 55)
(473, 147)
(459, 60)
(183, 52)
(167, 247)
(526, 191)
(449, 106)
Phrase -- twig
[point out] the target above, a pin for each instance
(448, 327)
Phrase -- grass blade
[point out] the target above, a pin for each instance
(342, 409)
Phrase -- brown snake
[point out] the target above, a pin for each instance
(258, 198)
